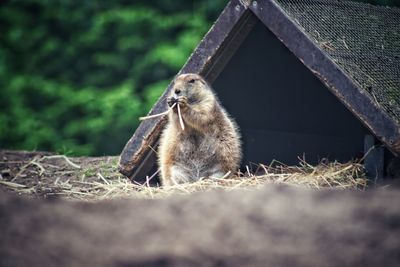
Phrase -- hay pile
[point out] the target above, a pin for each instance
(41, 174)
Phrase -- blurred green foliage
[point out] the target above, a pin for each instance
(75, 75)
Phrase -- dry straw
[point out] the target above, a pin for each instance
(92, 179)
(166, 113)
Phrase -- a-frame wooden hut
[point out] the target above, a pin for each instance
(312, 78)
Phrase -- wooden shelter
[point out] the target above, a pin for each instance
(303, 78)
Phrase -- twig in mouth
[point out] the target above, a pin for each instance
(159, 114)
(180, 118)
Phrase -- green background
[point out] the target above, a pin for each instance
(76, 75)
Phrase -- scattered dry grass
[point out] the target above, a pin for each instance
(45, 175)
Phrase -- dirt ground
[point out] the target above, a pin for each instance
(276, 225)
(244, 221)
(44, 174)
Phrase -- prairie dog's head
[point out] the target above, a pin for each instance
(191, 87)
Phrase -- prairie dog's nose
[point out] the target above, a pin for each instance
(177, 91)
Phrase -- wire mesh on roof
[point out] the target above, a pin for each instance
(363, 39)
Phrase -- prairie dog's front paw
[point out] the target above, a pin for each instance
(182, 102)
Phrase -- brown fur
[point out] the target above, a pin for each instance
(209, 146)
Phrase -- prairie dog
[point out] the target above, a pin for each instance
(209, 146)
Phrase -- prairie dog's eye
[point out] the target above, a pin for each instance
(191, 81)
